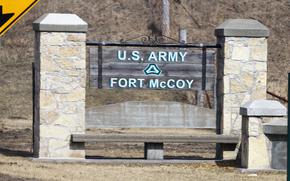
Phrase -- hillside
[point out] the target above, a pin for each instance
(113, 20)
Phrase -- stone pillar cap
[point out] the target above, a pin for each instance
(54, 22)
(263, 108)
(242, 28)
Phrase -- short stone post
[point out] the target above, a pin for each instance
(241, 70)
(153, 151)
(257, 149)
(60, 81)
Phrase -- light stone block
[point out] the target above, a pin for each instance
(76, 38)
(54, 131)
(226, 84)
(236, 86)
(241, 53)
(258, 155)
(57, 144)
(48, 42)
(248, 67)
(227, 127)
(259, 53)
(254, 127)
(261, 79)
(47, 100)
(261, 66)
(254, 152)
(258, 41)
(47, 117)
(232, 67)
(74, 96)
(247, 80)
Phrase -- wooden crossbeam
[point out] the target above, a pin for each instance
(230, 139)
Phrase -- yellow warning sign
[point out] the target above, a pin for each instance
(11, 11)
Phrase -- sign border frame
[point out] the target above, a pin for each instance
(18, 17)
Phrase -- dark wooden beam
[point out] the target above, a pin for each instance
(155, 138)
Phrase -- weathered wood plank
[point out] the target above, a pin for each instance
(158, 138)
(196, 85)
(163, 75)
(166, 71)
(164, 67)
(110, 55)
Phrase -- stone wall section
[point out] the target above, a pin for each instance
(62, 84)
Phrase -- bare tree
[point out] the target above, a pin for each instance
(165, 24)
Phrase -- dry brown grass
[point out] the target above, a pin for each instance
(113, 20)
(23, 168)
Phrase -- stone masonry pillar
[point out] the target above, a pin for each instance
(60, 81)
(241, 70)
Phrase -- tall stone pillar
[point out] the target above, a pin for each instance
(241, 70)
(60, 80)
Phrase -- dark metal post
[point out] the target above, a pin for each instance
(288, 146)
(33, 105)
(165, 45)
(203, 68)
(100, 66)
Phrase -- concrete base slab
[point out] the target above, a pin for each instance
(145, 114)
(244, 170)
(130, 161)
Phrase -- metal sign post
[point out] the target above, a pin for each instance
(288, 146)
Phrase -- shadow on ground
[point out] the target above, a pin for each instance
(19, 143)
(8, 178)
(9, 152)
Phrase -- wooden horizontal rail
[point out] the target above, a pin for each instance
(155, 138)
(196, 85)
(168, 45)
